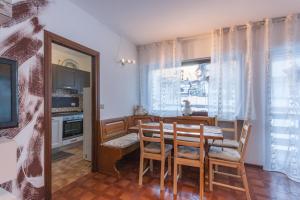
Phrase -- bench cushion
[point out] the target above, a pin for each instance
(123, 142)
(154, 147)
(224, 154)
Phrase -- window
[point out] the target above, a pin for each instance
(194, 84)
(167, 88)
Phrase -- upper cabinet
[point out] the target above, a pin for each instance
(65, 77)
(82, 80)
(5, 10)
(68, 78)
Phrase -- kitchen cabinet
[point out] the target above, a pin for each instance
(69, 78)
(83, 80)
(57, 123)
(65, 77)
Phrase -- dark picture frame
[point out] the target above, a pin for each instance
(14, 93)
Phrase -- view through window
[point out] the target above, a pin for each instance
(194, 84)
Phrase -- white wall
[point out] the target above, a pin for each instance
(118, 84)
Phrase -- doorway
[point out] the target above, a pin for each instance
(71, 109)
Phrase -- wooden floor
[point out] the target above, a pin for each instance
(94, 186)
(68, 170)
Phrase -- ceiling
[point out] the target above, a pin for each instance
(146, 21)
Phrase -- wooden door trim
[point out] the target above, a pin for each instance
(50, 38)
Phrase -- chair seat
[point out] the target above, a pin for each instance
(154, 147)
(210, 141)
(192, 153)
(224, 154)
(226, 143)
(123, 142)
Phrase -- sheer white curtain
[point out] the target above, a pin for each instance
(226, 73)
(283, 96)
(255, 75)
(231, 90)
(160, 78)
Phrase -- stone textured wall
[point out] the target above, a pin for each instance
(22, 39)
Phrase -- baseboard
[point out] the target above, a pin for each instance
(254, 165)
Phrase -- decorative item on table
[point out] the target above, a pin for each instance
(139, 110)
(187, 110)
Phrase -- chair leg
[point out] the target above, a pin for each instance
(175, 177)
(162, 174)
(141, 170)
(201, 182)
(151, 166)
(169, 165)
(210, 177)
(180, 171)
(245, 182)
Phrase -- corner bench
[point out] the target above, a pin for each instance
(115, 142)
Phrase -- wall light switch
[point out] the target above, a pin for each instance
(102, 106)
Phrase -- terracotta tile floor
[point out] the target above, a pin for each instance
(68, 170)
(95, 186)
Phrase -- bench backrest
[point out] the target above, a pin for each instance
(195, 120)
(134, 120)
(113, 128)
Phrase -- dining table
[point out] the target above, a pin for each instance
(210, 132)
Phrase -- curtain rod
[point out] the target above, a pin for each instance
(262, 22)
(203, 35)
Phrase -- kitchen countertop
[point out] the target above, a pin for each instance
(60, 114)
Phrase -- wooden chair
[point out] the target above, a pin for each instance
(232, 158)
(227, 143)
(189, 153)
(154, 149)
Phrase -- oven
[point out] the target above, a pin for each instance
(72, 126)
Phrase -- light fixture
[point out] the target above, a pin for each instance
(124, 61)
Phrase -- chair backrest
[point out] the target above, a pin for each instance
(246, 130)
(147, 138)
(228, 126)
(177, 142)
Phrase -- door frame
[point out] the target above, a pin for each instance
(50, 38)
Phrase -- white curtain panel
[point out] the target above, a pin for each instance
(227, 73)
(160, 78)
(263, 58)
(283, 96)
